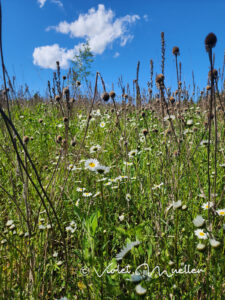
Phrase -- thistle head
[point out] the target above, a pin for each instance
(210, 41)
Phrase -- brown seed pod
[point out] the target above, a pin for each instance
(159, 79)
(145, 131)
(112, 94)
(210, 41)
(78, 83)
(208, 88)
(57, 98)
(172, 99)
(66, 90)
(73, 143)
(40, 120)
(59, 139)
(105, 96)
(65, 119)
(176, 51)
(64, 77)
(26, 139)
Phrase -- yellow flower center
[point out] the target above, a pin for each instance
(222, 213)
(201, 233)
(92, 165)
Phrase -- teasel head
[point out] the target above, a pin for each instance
(59, 139)
(176, 51)
(210, 41)
(26, 139)
(112, 94)
(66, 91)
(73, 143)
(172, 99)
(57, 98)
(145, 131)
(160, 79)
(105, 96)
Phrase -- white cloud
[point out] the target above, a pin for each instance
(42, 2)
(99, 27)
(57, 2)
(116, 55)
(47, 56)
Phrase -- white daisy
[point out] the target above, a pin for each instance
(87, 194)
(132, 153)
(71, 168)
(102, 124)
(108, 183)
(95, 148)
(126, 163)
(207, 205)
(201, 234)
(9, 223)
(221, 212)
(140, 290)
(91, 164)
(121, 218)
(102, 169)
(80, 189)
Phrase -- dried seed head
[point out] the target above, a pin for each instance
(58, 139)
(31, 138)
(176, 51)
(145, 131)
(172, 99)
(78, 83)
(159, 79)
(65, 119)
(112, 94)
(66, 90)
(40, 120)
(26, 139)
(210, 41)
(125, 96)
(73, 143)
(64, 77)
(57, 98)
(208, 88)
(105, 96)
(143, 114)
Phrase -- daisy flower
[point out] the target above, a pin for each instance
(201, 234)
(9, 223)
(214, 243)
(221, 212)
(87, 194)
(71, 168)
(207, 205)
(132, 153)
(108, 183)
(121, 218)
(102, 169)
(80, 189)
(126, 163)
(91, 164)
(102, 124)
(177, 204)
(95, 148)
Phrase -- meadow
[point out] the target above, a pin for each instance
(107, 199)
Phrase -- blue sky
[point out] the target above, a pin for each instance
(38, 32)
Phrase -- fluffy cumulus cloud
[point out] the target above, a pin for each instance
(99, 27)
(47, 56)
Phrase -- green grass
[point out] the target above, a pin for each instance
(37, 262)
